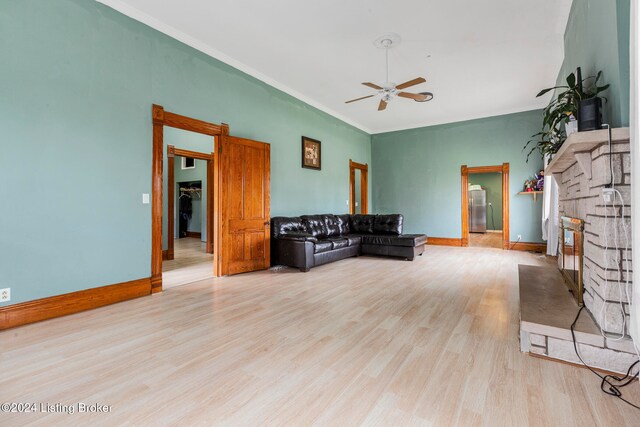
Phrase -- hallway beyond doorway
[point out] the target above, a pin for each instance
(191, 263)
(489, 239)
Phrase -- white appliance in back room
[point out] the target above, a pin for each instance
(477, 211)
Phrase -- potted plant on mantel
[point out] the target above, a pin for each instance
(575, 108)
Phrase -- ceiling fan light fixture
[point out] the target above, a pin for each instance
(428, 96)
(389, 90)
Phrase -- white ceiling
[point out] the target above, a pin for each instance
(480, 58)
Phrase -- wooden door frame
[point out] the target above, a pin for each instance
(172, 151)
(465, 171)
(160, 119)
(364, 187)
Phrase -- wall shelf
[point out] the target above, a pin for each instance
(535, 194)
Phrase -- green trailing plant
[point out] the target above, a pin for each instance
(562, 108)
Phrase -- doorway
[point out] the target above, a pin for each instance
(240, 196)
(485, 206)
(189, 254)
(194, 170)
(358, 188)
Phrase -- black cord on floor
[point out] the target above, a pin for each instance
(606, 385)
(515, 243)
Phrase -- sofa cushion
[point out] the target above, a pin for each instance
(343, 223)
(354, 240)
(339, 242)
(333, 225)
(316, 225)
(322, 246)
(281, 225)
(362, 224)
(402, 240)
(301, 237)
(388, 224)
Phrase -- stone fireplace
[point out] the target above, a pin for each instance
(581, 197)
(582, 170)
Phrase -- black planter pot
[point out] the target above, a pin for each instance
(590, 114)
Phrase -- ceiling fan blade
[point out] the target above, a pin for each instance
(358, 99)
(411, 83)
(382, 105)
(372, 85)
(416, 96)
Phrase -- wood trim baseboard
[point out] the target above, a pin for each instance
(165, 254)
(528, 246)
(444, 241)
(61, 305)
(156, 283)
(196, 234)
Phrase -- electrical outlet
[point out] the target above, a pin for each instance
(5, 294)
(608, 195)
(347, 202)
(519, 236)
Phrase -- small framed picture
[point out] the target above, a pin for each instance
(310, 153)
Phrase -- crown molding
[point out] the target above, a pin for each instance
(142, 17)
(458, 119)
(172, 32)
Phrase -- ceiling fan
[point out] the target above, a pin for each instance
(390, 90)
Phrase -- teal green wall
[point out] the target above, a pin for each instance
(597, 38)
(492, 183)
(417, 172)
(77, 82)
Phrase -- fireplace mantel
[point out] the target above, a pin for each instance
(578, 147)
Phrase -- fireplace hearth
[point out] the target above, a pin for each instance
(593, 260)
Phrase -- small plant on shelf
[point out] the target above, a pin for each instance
(563, 109)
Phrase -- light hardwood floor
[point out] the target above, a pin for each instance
(190, 263)
(486, 240)
(363, 341)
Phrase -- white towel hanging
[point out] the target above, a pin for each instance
(550, 217)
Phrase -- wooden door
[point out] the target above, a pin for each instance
(245, 199)
(364, 187)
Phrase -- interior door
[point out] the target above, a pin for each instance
(245, 200)
(358, 188)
